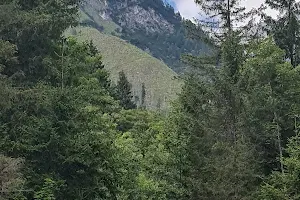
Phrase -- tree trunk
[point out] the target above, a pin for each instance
(279, 142)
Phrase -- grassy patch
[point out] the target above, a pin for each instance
(162, 84)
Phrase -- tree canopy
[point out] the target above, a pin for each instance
(67, 133)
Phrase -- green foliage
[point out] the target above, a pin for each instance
(223, 17)
(48, 190)
(72, 61)
(57, 112)
(34, 27)
(284, 185)
(286, 28)
(211, 115)
(148, 167)
(225, 134)
(229, 114)
(271, 109)
(270, 95)
(124, 93)
(64, 132)
(7, 53)
(220, 161)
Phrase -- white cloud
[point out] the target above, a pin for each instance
(249, 4)
(187, 8)
(190, 10)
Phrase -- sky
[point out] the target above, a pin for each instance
(189, 9)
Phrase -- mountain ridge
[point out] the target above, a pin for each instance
(151, 25)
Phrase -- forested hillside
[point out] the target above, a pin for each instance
(68, 133)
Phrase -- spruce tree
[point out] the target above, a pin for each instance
(286, 29)
(124, 92)
(270, 96)
(223, 17)
(220, 153)
(143, 96)
(220, 157)
(284, 185)
(34, 27)
(63, 133)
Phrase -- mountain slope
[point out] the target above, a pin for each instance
(150, 25)
(162, 84)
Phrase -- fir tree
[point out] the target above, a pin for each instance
(63, 134)
(143, 96)
(220, 153)
(284, 185)
(34, 28)
(286, 29)
(270, 95)
(124, 92)
(223, 17)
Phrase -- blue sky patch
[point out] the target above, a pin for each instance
(172, 3)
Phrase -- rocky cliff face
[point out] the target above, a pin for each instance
(132, 14)
(137, 17)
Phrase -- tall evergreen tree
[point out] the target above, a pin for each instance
(223, 17)
(284, 185)
(223, 21)
(286, 29)
(143, 96)
(34, 27)
(62, 132)
(226, 24)
(270, 91)
(124, 92)
(229, 117)
(220, 153)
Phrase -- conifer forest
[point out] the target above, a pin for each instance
(72, 127)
